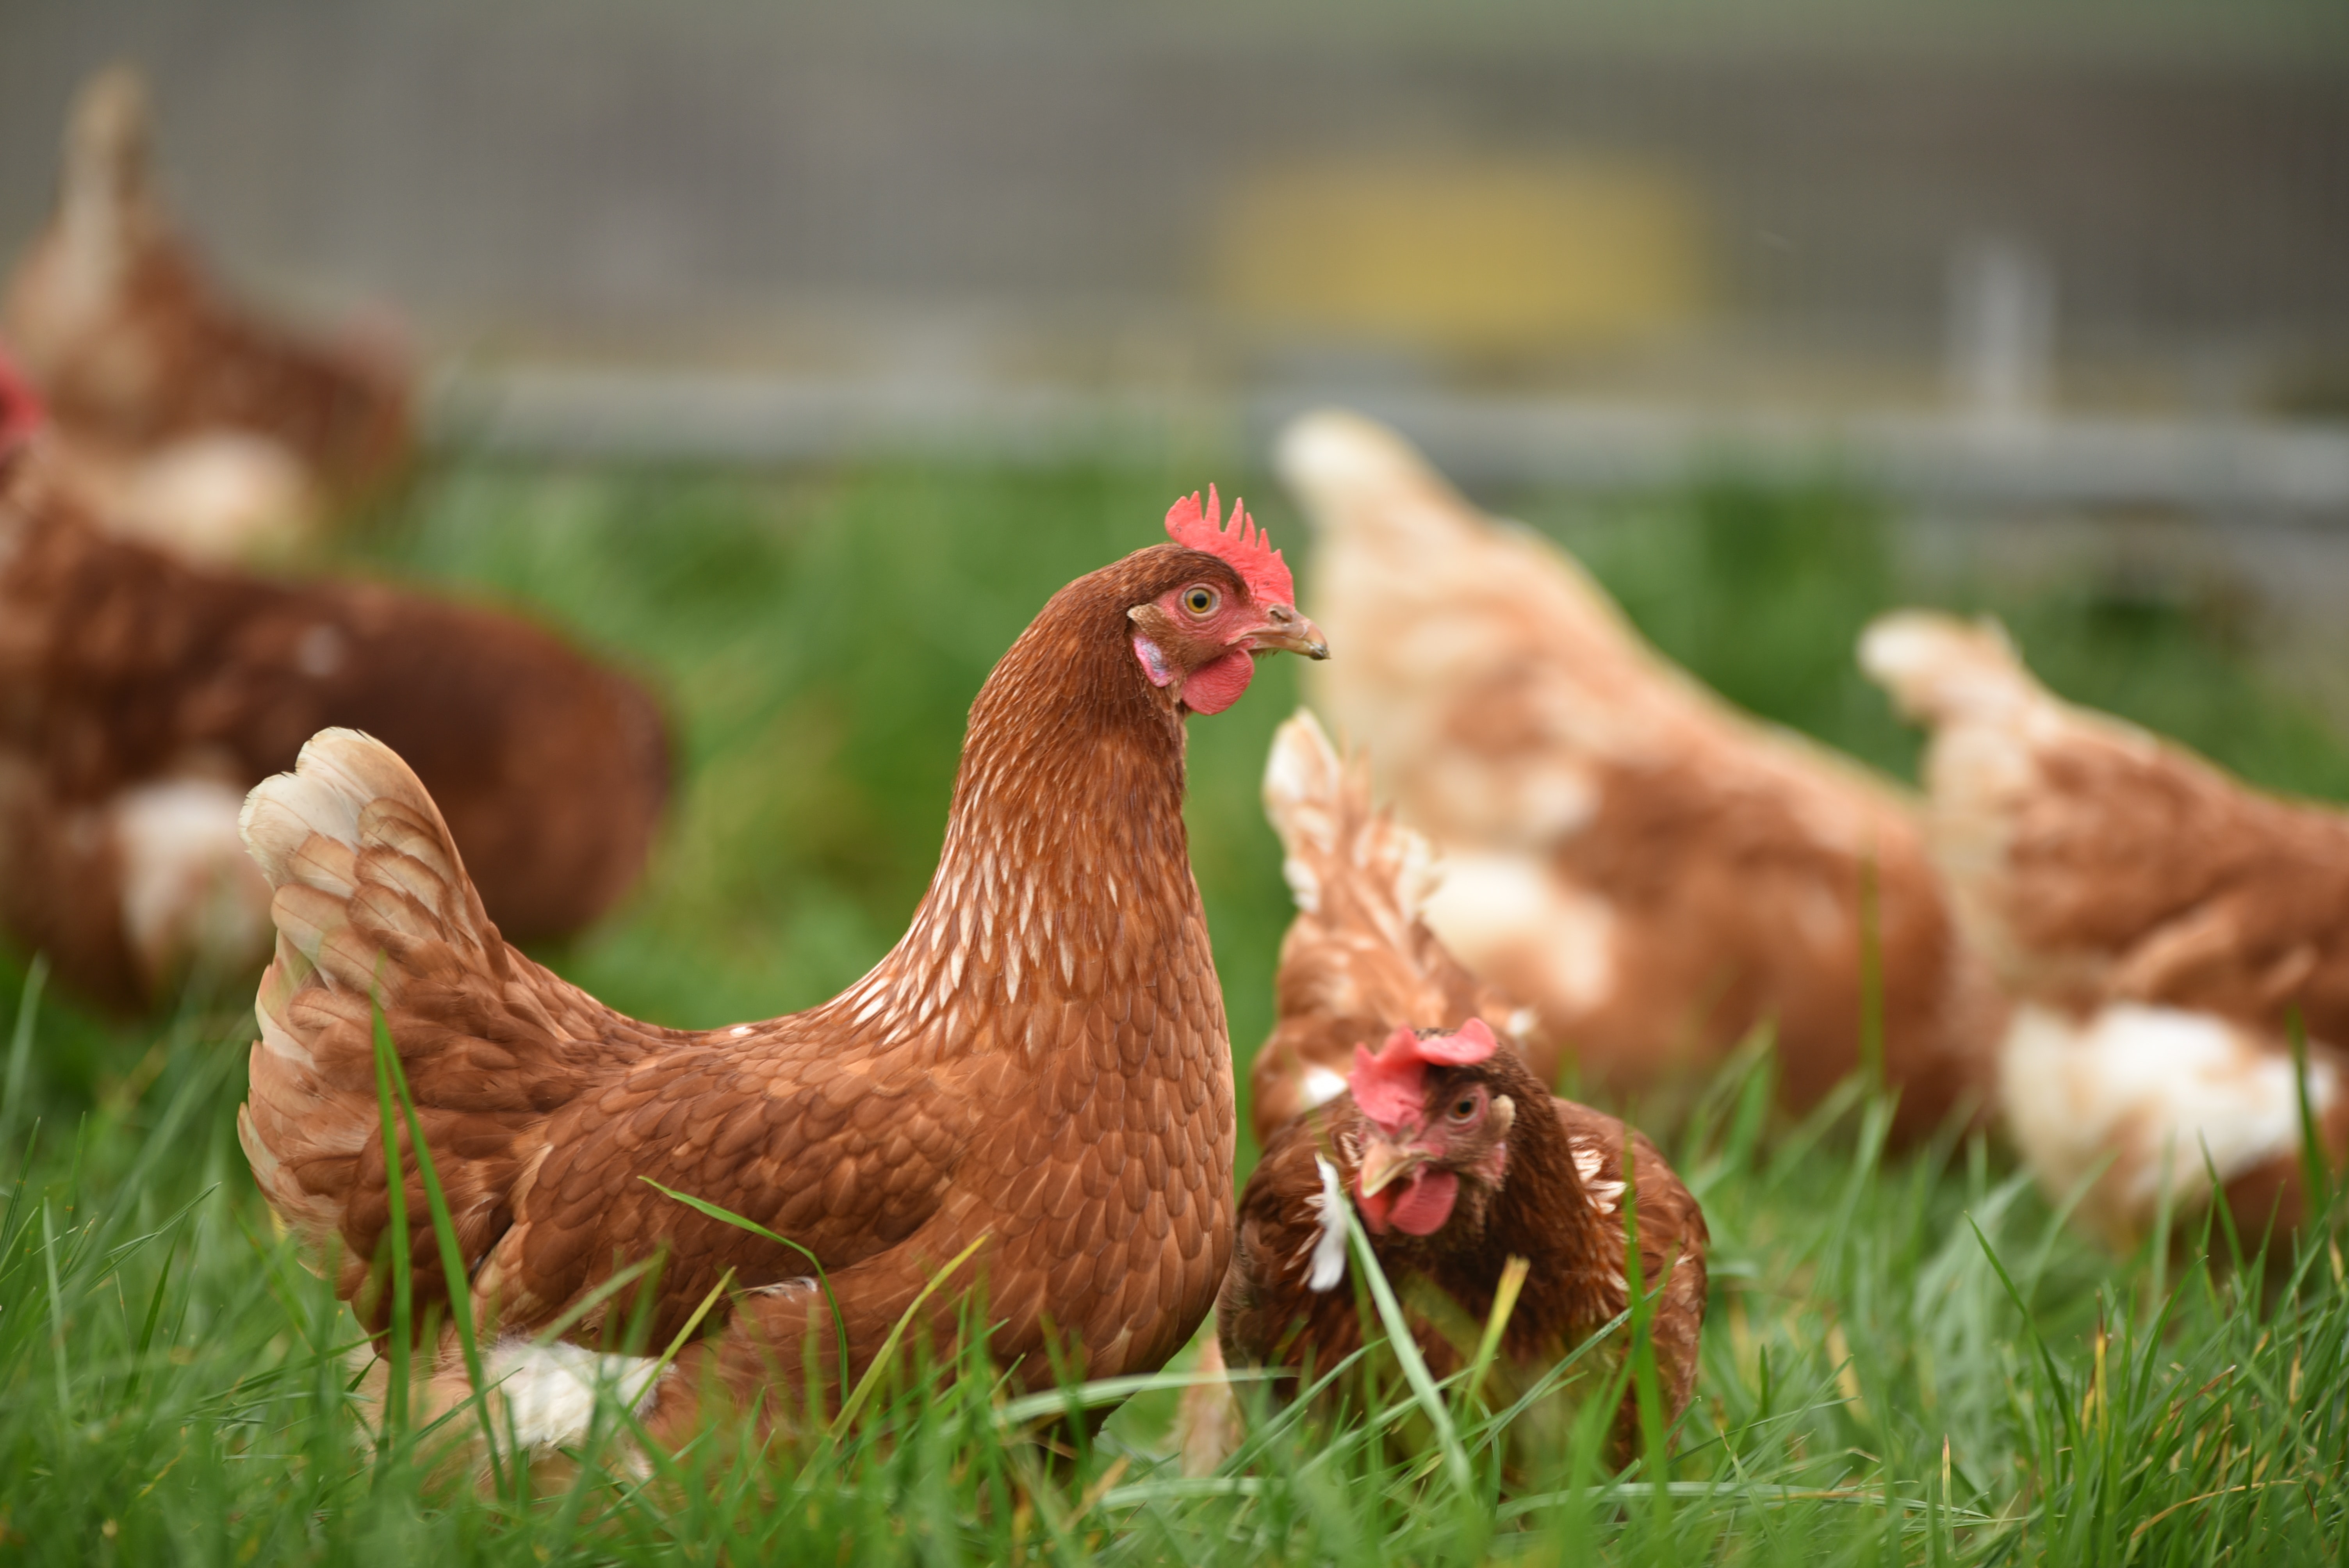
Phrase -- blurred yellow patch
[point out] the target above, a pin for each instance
(1476, 254)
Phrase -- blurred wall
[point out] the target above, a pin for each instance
(729, 178)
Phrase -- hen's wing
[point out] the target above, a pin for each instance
(1654, 873)
(1358, 962)
(1673, 1240)
(2164, 919)
(1291, 1217)
(542, 1107)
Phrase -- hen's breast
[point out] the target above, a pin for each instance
(1106, 1173)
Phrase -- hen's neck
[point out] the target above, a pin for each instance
(1066, 868)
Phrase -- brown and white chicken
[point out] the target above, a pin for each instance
(1039, 1067)
(1458, 1160)
(1457, 1156)
(141, 696)
(1650, 871)
(185, 419)
(2159, 921)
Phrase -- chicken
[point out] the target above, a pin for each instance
(141, 696)
(1039, 1068)
(1458, 1158)
(1654, 873)
(1358, 966)
(2159, 924)
(184, 420)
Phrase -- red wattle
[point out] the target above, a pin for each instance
(1217, 684)
(1426, 1203)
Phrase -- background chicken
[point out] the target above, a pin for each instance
(1041, 1062)
(1651, 871)
(184, 420)
(2162, 920)
(1459, 1159)
(141, 696)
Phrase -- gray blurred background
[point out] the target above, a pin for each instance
(2014, 262)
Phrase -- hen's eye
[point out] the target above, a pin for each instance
(1464, 1108)
(1199, 600)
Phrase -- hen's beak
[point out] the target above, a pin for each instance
(1288, 632)
(1384, 1164)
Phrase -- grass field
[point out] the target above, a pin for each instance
(1906, 1360)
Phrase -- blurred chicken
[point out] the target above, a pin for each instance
(1654, 873)
(140, 697)
(182, 419)
(2160, 923)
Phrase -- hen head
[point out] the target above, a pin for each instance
(1437, 1109)
(1198, 640)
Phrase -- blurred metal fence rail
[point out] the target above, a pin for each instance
(2254, 470)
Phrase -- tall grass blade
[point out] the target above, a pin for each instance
(881, 1359)
(20, 1050)
(444, 1232)
(1406, 1353)
(822, 1276)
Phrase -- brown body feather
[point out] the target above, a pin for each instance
(1654, 873)
(122, 668)
(1041, 1061)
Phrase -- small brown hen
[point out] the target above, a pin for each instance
(2160, 923)
(1652, 872)
(1039, 1066)
(1358, 965)
(141, 696)
(183, 418)
(1459, 1159)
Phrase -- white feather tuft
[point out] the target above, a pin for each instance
(549, 1391)
(1320, 1086)
(1329, 1245)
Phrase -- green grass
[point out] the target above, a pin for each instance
(1906, 1360)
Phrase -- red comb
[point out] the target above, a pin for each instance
(21, 412)
(1387, 1087)
(1249, 552)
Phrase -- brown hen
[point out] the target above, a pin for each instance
(2161, 921)
(1358, 965)
(141, 696)
(1458, 1160)
(184, 420)
(1040, 1065)
(1652, 872)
